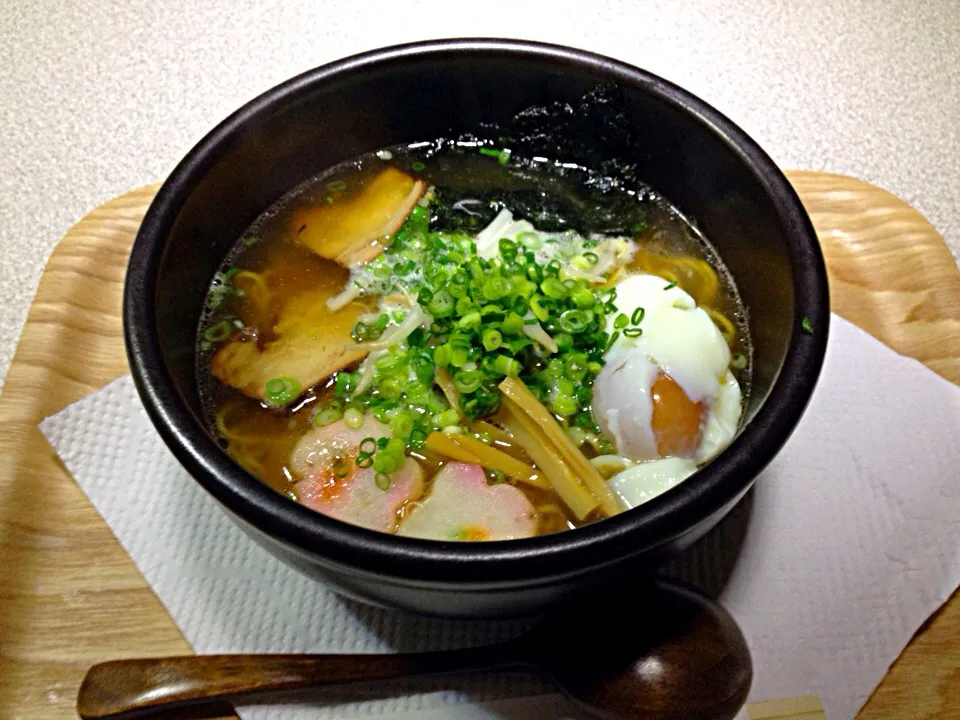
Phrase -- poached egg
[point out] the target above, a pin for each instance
(666, 397)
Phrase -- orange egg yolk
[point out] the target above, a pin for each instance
(677, 421)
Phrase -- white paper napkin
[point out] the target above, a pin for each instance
(849, 542)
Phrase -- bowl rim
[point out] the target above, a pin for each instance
(405, 561)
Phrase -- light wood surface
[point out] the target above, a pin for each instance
(71, 597)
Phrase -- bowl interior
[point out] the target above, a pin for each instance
(680, 146)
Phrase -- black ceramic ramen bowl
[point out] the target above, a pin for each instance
(697, 158)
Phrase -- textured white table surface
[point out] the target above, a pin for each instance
(99, 97)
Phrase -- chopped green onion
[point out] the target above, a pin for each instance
(583, 298)
(563, 340)
(507, 366)
(496, 476)
(575, 321)
(637, 316)
(219, 332)
(492, 340)
(328, 415)
(382, 479)
(441, 305)
(575, 366)
(554, 368)
(353, 419)
(418, 436)
(553, 288)
(442, 354)
(806, 325)
(541, 313)
(390, 388)
(495, 287)
(591, 257)
(468, 380)
(386, 462)
(470, 320)
(402, 425)
(422, 365)
(508, 249)
(633, 332)
(601, 445)
(512, 325)
(564, 405)
(621, 321)
(503, 157)
(584, 419)
(343, 384)
(341, 467)
(282, 391)
(368, 446)
(584, 395)
(364, 460)
(670, 285)
(447, 417)
(360, 330)
(738, 361)
(565, 386)
(489, 152)
(417, 166)
(388, 363)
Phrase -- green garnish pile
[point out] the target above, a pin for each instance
(484, 311)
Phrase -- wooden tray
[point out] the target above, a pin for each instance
(70, 596)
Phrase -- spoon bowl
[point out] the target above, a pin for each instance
(668, 653)
(671, 653)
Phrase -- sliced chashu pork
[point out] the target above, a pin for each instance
(355, 498)
(349, 231)
(309, 339)
(308, 346)
(462, 505)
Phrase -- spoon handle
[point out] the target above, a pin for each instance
(132, 688)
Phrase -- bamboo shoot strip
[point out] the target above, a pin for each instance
(518, 393)
(492, 458)
(561, 477)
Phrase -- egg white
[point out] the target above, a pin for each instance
(644, 481)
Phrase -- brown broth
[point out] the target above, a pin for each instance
(260, 438)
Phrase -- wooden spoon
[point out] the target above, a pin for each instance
(669, 653)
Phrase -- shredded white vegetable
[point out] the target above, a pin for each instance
(502, 226)
(346, 296)
(540, 336)
(463, 206)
